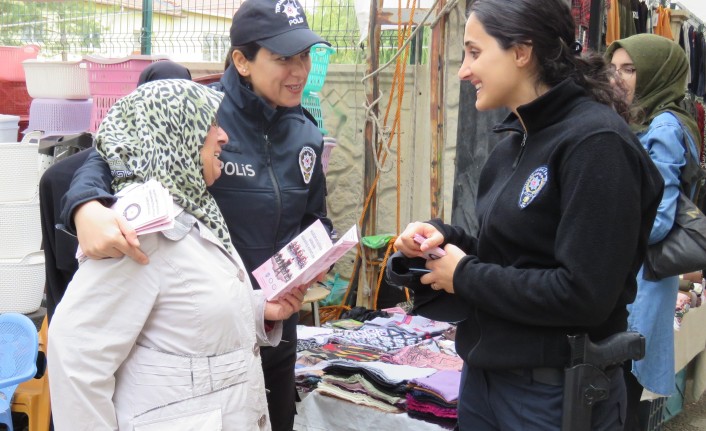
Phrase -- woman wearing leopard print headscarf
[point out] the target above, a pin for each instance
(174, 343)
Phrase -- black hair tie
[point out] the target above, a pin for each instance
(576, 47)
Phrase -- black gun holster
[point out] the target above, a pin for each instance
(585, 379)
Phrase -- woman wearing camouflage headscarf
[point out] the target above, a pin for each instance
(173, 344)
(654, 70)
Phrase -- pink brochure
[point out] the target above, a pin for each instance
(300, 261)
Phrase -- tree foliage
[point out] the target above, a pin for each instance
(57, 26)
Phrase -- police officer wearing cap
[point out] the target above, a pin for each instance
(272, 184)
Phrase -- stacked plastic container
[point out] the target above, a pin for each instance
(61, 102)
(14, 98)
(317, 75)
(110, 79)
(21, 259)
(311, 99)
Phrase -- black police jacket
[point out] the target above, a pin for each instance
(272, 185)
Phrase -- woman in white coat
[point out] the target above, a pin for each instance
(173, 344)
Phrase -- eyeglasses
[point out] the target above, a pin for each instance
(623, 71)
(214, 123)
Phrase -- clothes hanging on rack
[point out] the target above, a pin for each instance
(643, 14)
(612, 21)
(664, 23)
(581, 10)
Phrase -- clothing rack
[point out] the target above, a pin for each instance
(693, 20)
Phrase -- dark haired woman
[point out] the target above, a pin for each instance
(272, 185)
(565, 205)
(653, 70)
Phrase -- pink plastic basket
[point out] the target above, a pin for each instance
(116, 76)
(11, 58)
(101, 106)
(59, 117)
(109, 79)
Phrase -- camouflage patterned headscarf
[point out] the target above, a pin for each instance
(157, 132)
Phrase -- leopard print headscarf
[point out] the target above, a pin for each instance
(156, 132)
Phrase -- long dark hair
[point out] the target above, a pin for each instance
(548, 26)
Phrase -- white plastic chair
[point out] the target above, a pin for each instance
(19, 345)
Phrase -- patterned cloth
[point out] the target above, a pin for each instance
(138, 134)
(416, 325)
(418, 356)
(382, 339)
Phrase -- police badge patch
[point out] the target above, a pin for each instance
(534, 184)
(307, 158)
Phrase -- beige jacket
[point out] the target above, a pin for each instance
(172, 345)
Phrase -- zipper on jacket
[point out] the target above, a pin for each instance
(275, 187)
(507, 180)
(522, 151)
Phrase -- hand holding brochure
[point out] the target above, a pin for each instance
(300, 261)
(147, 207)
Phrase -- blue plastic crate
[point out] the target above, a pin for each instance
(319, 67)
(312, 103)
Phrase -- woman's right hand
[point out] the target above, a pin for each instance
(409, 247)
(102, 233)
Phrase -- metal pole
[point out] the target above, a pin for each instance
(146, 33)
(371, 138)
(437, 109)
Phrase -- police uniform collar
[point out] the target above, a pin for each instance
(545, 110)
(243, 97)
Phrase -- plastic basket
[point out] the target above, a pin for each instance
(24, 123)
(57, 79)
(111, 79)
(116, 76)
(14, 99)
(19, 170)
(9, 126)
(652, 414)
(22, 283)
(101, 106)
(11, 58)
(329, 144)
(60, 117)
(319, 66)
(20, 229)
(311, 103)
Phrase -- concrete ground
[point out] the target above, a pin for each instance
(691, 418)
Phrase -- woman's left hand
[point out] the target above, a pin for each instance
(442, 269)
(286, 305)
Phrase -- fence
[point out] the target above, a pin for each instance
(187, 30)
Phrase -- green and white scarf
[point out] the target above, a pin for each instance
(157, 132)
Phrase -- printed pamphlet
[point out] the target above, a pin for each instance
(147, 207)
(300, 261)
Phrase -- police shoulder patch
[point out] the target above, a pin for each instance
(307, 159)
(534, 184)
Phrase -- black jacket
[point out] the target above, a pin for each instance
(262, 191)
(564, 212)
